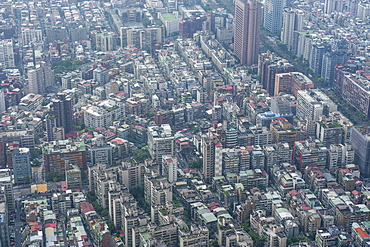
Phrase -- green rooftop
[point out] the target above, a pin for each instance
(146, 235)
(169, 17)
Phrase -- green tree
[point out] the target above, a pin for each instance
(197, 164)
(140, 155)
(111, 226)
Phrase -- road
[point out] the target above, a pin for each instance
(18, 224)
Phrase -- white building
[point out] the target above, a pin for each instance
(312, 104)
(105, 41)
(6, 54)
(292, 22)
(2, 101)
(171, 22)
(30, 36)
(103, 113)
(169, 167)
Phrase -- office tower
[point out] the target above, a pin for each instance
(2, 101)
(160, 142)
(6, 54)
(292, 23)
(169, 167)
(330, 59)
(273, 15)
(63, 112)
(21, 165)
(333, 6)
(212, 157)
(231, 137)
(360, 141)
(247, 31)
(40, 78)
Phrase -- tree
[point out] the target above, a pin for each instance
(258, 241)
(105, 213)
(27, 180)
(140, 155)
(197, 164)
(146, 22)
(111, 226)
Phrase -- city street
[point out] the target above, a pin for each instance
(18, 225)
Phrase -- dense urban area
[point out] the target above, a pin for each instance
(174, 123)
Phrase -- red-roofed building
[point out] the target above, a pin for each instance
(86, 207)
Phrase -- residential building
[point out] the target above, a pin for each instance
(312, 104)
(309, 152)
(360, 141)
(7, 54)
(40, 78)
(169, 167)
(73, 177)
(273, 15)
(292, 23)
(58, 153)
(160, 142)
(21, 165)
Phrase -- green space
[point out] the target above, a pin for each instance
(66, 65)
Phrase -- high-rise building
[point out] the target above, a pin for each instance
(316, 59)
(21, 165)
(101, 153)
(312, 104)
(247, 31)
(333, 6)
(360, 141)
(6, 54)
(160, 142)
(30, 36)
(63, 112)
(6, 188)
(73, 177)
(40, 78)
(105, 41)
(340, 155)
(269, 69)
(58, 153)
(273, 15)
(212, 157)
(169, 167)
(337, 55)
(2, 101)
(4, 222)
(292, 23)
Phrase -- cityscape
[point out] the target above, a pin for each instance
(185, 123)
